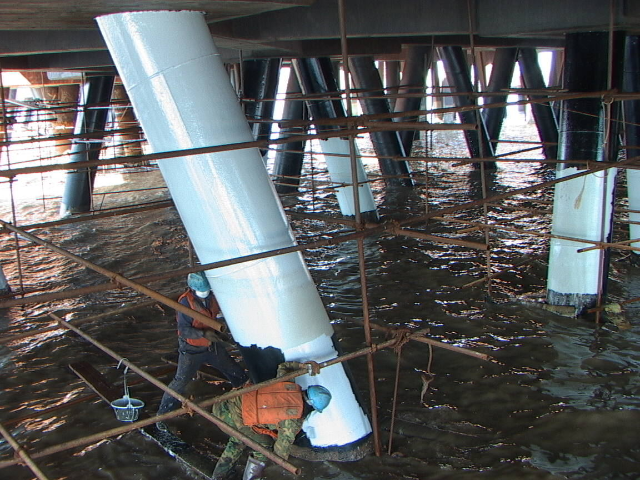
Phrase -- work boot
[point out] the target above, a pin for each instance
(254, 469)
(224, 471)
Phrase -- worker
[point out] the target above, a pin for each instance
(271, 416)
(199, 344)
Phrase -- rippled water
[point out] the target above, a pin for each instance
(560, 400)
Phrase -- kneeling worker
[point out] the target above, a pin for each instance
(199, 344)
(272, 415)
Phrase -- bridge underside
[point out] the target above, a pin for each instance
(43, 35)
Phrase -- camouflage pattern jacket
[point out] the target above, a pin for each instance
(286, 429)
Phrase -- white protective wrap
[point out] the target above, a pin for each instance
(582, 208)
(183, 98)
(336, 155)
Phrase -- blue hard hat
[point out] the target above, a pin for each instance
(318, 397)
(198, 281)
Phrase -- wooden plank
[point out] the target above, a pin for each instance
(182, 451)
(96, 381)
(171, 443)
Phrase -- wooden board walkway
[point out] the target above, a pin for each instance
(172, 444)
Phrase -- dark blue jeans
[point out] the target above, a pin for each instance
(188, 364)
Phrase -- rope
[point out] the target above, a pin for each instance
(401, 335)
(313, 368)
(427, 377)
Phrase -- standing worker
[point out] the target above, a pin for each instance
(271, 416)
(198, 343)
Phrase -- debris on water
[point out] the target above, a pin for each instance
(564, 310)
(427, 378)
(615, 314)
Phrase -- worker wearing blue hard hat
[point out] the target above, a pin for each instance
(271, 416)
(198, 343)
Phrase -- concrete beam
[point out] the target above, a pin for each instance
(381, 18)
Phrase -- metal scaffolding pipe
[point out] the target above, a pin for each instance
(367, 120)
(90, 439)
(385, 143)
(229, 206)
(22, 454)
(183, 400)
(542, 112)
(333, 240)
(131, 143)
(91, 118)
(117, 278)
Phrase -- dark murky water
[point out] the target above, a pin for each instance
(561, 400)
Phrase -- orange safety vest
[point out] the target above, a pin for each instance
(272, 404)
(210, 312)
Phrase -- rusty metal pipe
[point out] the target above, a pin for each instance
(117, 311)
(115, 277)
(23, 455)
(89, 439)
(185, 401)
(334, 240)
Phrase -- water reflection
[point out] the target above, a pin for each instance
(560, 399)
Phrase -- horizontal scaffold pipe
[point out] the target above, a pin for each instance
(22, 454)
(337, 238)
(38, 331)
(185, 401)
(135, 159)
(606, 95)
(85, 217)
(117, 278)
(501, 272)
(592, 168)
(71, 136)
(596, 244)
(9, 173)
(91, 439)
(439, 239)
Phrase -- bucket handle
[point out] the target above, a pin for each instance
(126, 369)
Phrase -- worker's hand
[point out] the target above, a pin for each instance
(211, 335)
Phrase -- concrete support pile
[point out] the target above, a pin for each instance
(91, 118)
(582, 207)
(182, 96)
(316, 77)
(542, 112)
(260, 86)
(387, 143)
(459, 77)
(504, 62)
(414, 74)
(287, 166)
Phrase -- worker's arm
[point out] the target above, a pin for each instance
(186, 328)
(287, 431)
(287, 367)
